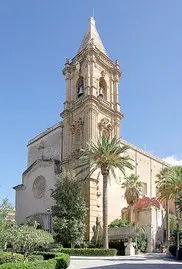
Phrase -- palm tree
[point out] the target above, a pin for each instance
(105, 155)
(161, 184)
(170, 185)
(179, 202)
(133, 187)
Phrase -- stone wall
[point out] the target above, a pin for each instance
(28, 202)
(46, 145)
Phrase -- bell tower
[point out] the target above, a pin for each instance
(91, 107)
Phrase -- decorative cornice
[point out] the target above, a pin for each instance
(100, 103)
(19, 187)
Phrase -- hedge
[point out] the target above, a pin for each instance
(87, 251)
(52, 255)
(57, 263)
(33, 258)
(6, 257)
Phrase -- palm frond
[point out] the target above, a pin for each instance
(132, 186)
(106, 153)
(169, 182)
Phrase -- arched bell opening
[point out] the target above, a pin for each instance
(102, 88)
(80, 87)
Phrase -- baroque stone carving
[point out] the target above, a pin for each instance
(103, 73)
(39, 187)
(105, 127)
(75, 153)
(77, 135)
(76, 125)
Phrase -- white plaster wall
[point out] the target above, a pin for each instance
(145, 217)
(26, 203)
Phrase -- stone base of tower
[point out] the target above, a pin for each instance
(92, 198)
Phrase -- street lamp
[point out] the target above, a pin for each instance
(49, 211)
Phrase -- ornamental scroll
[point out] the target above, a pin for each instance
(105, 127)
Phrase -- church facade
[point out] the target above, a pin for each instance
(91, 109)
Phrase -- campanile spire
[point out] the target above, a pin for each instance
(92, 35)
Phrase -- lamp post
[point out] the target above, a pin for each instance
(49, 211)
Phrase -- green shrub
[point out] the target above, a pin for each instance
(57, 263)
(30, 265)
(141, 242)
(87, 251)
(46, 255)
(55, 255)
(63, 259)
(6, 257)
(119, 223)
(33, 258)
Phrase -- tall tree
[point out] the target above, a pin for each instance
(170, 185)
(179, 202)
(104, 156)
(133, 187)
(161, 184)
(69, 211)
(5, 223)
(5, 209)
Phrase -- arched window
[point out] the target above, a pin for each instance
(102, 88)
(80, 87)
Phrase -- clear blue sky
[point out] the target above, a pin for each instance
(37, 36)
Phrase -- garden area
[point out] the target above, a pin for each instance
(26, 246)
(19, 242)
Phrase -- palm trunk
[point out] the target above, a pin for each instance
(167, 221)
(105, 211)
(131, 213)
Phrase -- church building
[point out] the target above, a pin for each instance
(91, 109)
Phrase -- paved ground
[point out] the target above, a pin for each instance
(148, 261)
